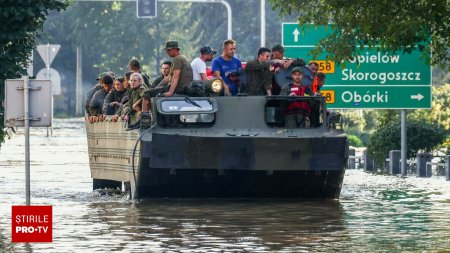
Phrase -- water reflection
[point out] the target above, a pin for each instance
(216, 225)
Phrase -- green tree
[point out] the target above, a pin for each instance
(440, 108)
(421, 136)
(386, 25)
(21, 22)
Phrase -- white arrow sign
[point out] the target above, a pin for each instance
(48, 52)
(296, 33)
(418, 97)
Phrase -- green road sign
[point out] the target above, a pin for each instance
(308, 35)
(374, 68)
(380, 97)
(396, 75)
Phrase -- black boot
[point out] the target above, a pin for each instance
(147, 121)
(135, 125)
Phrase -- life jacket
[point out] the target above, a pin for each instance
(296, 107)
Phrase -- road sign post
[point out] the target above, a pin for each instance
(27, 104)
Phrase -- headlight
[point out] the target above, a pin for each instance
(216, 86)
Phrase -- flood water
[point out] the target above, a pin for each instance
(375, 213)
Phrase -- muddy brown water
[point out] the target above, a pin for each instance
(375, 213)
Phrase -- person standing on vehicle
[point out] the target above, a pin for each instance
(316, 106)
(309, 73)
(281, 66)
(199, 64)
(226, 63)
(259, 77)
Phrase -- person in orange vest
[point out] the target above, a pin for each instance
(318, 82)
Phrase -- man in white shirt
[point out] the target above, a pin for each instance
(199, 64)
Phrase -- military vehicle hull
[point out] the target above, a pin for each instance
(232, 147)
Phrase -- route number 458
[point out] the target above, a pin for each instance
(329, 96)
(326, 67)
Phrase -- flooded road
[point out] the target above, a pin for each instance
(374, 214)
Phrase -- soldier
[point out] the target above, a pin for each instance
(135, 67)
(94, 89)
(179, 77)
(163, 78)
(91, 93)
(96, 103)
(259, 77)
(280, 67)
(181, 72)
(132, 109)
(112, 102)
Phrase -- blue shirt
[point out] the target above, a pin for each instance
(225, 67)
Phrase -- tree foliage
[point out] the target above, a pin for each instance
(440, 108)
(387, 25)
(421, 136)
(109, 34)
(21, 23)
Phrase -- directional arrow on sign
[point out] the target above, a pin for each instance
(418, 97)
(296, 33)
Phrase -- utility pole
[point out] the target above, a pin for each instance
(263, 23)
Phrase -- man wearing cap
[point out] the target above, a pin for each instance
(278, 57)
(199, 64)
(225, 64)
(279, 64)
(179, 77)
(94, 89)
(96, 103)
(297, 112)
(180, 72)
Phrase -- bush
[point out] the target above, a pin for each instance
(363, 136)
(354, 140)
(421, 135)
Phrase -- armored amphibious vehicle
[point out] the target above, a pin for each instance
(221, 147)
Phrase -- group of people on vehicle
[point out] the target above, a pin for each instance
(130, 95)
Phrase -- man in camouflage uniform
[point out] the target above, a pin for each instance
(259, 77)
(133, 109)
(164, 77)
(179, 77)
